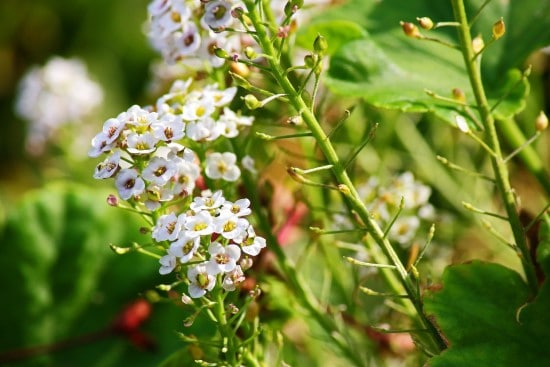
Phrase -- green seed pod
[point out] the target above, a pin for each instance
(320, 45)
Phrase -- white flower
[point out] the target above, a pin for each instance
(230, 226)
(222, 259)
(219, 98)
(185, 247)
(128, 183)
(139, 118)
(198, 109)
(58, 93)
(186, 176)
(157, 194)
(248, 164)
(201, 281)
(100, 144)
(168, 128)
(108, 167)
(217, 14)
(222, 165)
(141, 143)
(185, 43)
(200, 224)
(240, 208)
(159, 171)
(167, 264)
(233, 278)
(252, 244)
(229, 115)
(168, 227)
(112, 129)
(204, 129)
(207, 201)
(404, 229)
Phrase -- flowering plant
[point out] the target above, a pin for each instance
(287, 229)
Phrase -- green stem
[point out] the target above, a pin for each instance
(515, 137)
(502, 179)
(225, 330)
(339, 173)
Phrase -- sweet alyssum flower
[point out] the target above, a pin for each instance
(58, 93)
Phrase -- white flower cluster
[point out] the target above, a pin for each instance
(58, 93)
(190, 29)
(144, 155)
(383, 202)
(213, 238)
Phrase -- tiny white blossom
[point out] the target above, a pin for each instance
(167, 264)
(112, 129)
(108, 167)
(248, 164)
(168, 128)
(168, 227)
(404, 229)
(186, 176)
(201, 281)
(100, 145)
(240, 208)
(219, 98)
(185, 247)
(208, 201)
(217, 14)
(222, 259)
(198, 109)
(159, 171)
(230, 226)
(222, 165)
(141, 143)
(233, 278)
(252, 244)
(200, 224)
(128, 183)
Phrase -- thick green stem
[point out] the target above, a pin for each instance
(491, 139)
(339, 172)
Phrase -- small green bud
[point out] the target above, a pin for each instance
(425, 23)
(221, 53)
(541, 122)
(499, 28)
(344, 189)
(320, 45)
(251, 102)
(250, 53)
(310, 60)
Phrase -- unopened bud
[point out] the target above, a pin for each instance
(246, 263)
(458, 95)
(120, 250)
(425, 23)
(237, 12)
(462, 124)
(112, 200)
(320, 45)
(239, 69)
(310, 60)
(499, 29)
(231, 308)
(250, 53)
(478, 44)
(410, 30)
(251, 102)
(221, 53)
(295, 120)
(186, 299)
(541, 123)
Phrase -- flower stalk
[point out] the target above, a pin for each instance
(342, 178)
(500, 168)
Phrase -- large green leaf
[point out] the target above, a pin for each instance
(481, 312)
(61, 280)
(392, 71)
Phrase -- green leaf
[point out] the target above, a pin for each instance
(62, 281)
(481, 312)
(392, 71)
